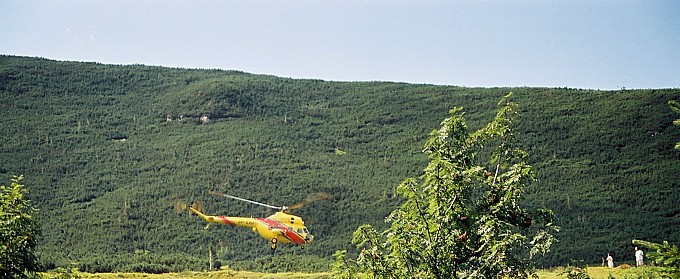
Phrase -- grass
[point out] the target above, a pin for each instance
(594, 272)
(198, 275)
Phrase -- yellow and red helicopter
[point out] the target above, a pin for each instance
(280, 227)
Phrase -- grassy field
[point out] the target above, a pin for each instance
(594, 272)
(199, 275)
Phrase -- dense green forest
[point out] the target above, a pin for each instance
(107, 152)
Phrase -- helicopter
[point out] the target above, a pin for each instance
(280, 227)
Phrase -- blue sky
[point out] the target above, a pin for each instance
(578, 44)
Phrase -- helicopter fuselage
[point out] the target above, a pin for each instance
(279, 227)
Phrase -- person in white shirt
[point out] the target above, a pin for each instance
(639, 257)
(610, 261)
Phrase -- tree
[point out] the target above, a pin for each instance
(676, 107)
(665, 256)
(464, 217)
(18, 230)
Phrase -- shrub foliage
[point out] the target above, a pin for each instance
(464, 217)
(18, 231)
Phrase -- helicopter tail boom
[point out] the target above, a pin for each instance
(234, 221)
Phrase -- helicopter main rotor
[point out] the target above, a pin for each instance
(282, 208)
(312, 198)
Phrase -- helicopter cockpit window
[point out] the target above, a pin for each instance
(299, 230)
(305, 230)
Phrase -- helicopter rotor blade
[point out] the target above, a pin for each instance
(247, 200)
(310, 199)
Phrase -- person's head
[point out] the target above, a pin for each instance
(635, 248)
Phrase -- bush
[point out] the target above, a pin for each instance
(18, 231)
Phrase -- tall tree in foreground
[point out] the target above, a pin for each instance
(666, 257)
(463, 218)
(18, 230)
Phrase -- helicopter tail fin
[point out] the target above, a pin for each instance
(200, 214)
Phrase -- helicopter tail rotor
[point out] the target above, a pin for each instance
(181, 206)
(198, 205)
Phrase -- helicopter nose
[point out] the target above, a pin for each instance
(309, 238)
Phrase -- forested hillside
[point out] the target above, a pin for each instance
(108, 151)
